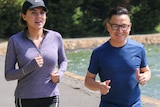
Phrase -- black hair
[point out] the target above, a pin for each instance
(118, 10)
(25, 6)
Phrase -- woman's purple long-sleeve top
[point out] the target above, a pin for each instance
(33, 81)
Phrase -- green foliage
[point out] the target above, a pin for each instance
(76, 17)
(9, 17)
(145, 16)
(61, 17)
(157, 29)
(82, 18)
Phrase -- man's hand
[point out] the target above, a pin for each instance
(104, 87)
(141, 77)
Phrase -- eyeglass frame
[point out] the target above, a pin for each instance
(119, 26)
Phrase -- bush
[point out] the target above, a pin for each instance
(9, 17)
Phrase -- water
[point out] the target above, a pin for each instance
(153, 86)
(78, 62)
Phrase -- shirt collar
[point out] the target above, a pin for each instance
(25, 32)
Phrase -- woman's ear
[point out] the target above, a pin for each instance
(23, 16)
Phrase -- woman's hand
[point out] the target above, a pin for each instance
(39, 60)
(55, 76)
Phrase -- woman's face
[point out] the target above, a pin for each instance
(35, 18)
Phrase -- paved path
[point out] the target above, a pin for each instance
(71, 94)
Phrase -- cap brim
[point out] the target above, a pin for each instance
(38, 6)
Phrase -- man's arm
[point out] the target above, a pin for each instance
(94, 85)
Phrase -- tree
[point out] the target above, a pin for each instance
(9, 17)
(82, 18)
(61, 16)
(145, 15)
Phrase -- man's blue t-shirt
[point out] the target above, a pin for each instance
(119, 65)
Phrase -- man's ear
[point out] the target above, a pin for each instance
(107, 26)
(130, 26)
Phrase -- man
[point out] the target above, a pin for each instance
(121, 64)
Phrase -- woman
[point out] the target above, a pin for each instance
(37, 52)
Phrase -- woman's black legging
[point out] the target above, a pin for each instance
(38, 102)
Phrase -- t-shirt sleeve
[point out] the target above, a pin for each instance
(144, 61)
(93, 65)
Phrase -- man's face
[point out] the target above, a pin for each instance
(119, 27)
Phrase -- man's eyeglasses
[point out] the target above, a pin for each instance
(123, 27)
